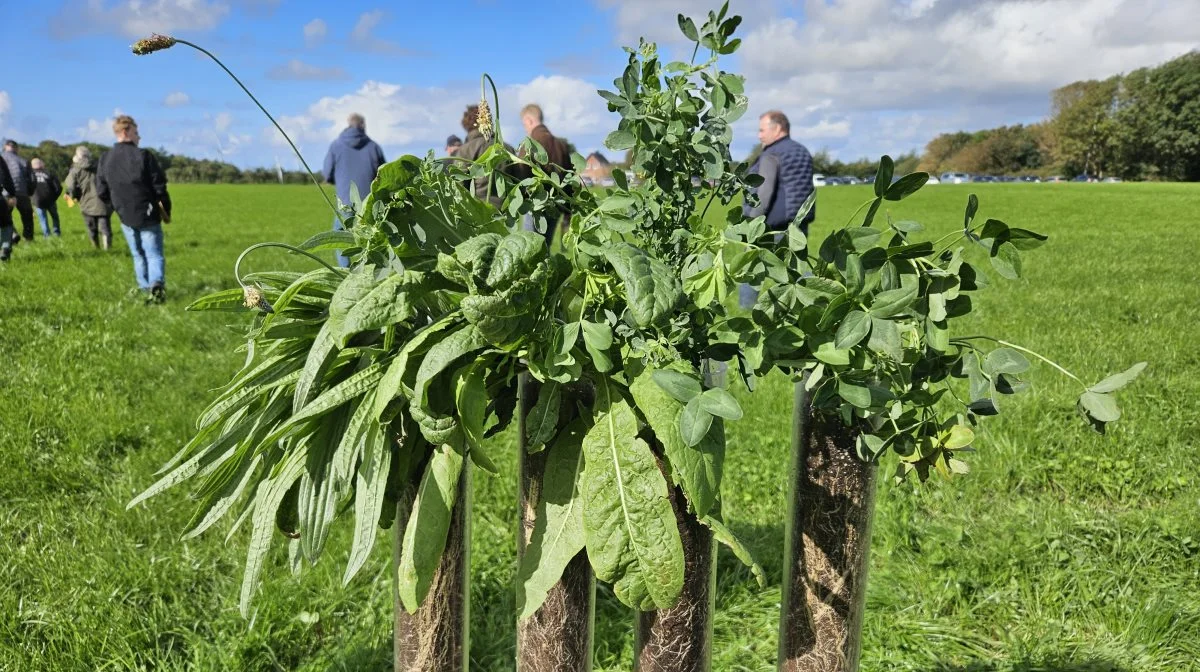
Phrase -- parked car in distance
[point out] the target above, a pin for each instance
(869, 179)
(955, 178)
(1112, 179)
(1084, 177)
(833, 181)
(1028, 178)
(1055, 178)
(983, 178)
(818, 180)
(849, 179)
(933, 179)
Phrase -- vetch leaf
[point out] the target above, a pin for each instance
(679, 385)
(720, 403)
(694, 422)
(853, 329)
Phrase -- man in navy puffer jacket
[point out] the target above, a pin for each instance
(353, 159)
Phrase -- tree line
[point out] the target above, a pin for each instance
(1144, 125)
(179, 168)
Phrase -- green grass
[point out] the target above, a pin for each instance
(1063, 550)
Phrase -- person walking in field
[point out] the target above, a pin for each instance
(6, 222)
(22, 179)
(786, 168)
(81, 186)
(129, 180)
(46, 190)
(473, 147)
(352, 161)
(558, 160)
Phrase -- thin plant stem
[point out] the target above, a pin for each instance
(336, 213)
(237, 265)
(1026, 351)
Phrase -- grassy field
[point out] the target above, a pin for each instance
(1062, 551)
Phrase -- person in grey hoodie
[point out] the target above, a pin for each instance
(81, 186)
(352, 160)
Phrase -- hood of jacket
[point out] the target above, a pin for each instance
(354, 137)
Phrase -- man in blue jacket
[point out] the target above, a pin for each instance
(786, 168)
(353, 159)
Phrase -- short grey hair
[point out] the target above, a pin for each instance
(356, 120)
(82, 154)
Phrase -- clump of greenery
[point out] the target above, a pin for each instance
(364, 385)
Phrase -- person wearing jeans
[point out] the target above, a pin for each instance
(46, 191)
(149, 266)
(130, 180)
(6, 222)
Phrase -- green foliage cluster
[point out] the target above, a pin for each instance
(367, 387)
(1141, 125)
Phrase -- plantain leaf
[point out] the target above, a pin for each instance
(558, 532)
(428, 525)
(370, 484)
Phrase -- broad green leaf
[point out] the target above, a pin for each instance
(597, 339)
(444, 353)
(558, 532)
(694, 422)
(1100, 406)
(883, 176)
(885, 338)
(679, 385)
(428, 525)
(696, 470)
(541, 423)
(1007, 261)
(959, 437)
(906, 186)
(1005, 360)
(829, 353)
(720, 403)
(937, 307)
(471, 399)
(393, 382)
(937, 336)
(726, 536)
(855, 395)
(893, 301)
(370, 485)
(852, 274)
(653, 290)
(387, 304)
(1117, 381)
(620, 139)
(908, 226)
(853, 329)
(631, 535)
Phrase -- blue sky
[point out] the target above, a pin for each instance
(857, 77)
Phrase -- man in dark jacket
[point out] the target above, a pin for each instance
(129, 180)
(352, 161)
(6, 223)
(46, 190)
(786, 168)
(22, 180)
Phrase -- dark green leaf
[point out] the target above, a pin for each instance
(688, 28)
(856, 395)
(721, 404)
(905, 186)
(694, 422)
(620, 139)
(542, 422)
(428, 525)
(1007, 261)
(883, 176)
(853, 329)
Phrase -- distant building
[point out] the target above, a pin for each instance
(598, 167)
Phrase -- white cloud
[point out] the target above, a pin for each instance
(656, 20)
(176, 99)
(98, 130)
(222, 121)
(299, 70)
(137, 18)
(943, 65)
(363, 36)
(408, 119)
(315, 32)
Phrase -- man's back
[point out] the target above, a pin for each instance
(130, 179)
(794, 184)
(18, 168)
(353, 158)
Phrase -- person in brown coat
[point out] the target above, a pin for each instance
(472, 148)
(558, 158)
